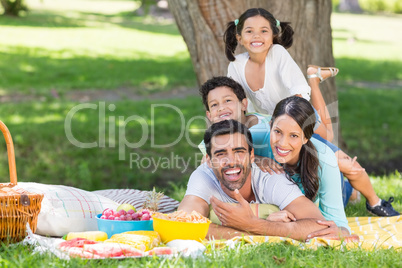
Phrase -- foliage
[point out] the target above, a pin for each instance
(13, 7)
(376, 6)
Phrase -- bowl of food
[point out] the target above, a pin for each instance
(115, 222)
(181, 225)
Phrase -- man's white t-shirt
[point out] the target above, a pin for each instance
(273, 189)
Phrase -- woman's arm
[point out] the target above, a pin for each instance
(330, 191)
(267, 164)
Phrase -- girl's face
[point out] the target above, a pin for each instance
(256, 35)
(287, 139)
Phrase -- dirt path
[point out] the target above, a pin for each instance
(180, 92)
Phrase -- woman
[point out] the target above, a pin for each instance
(307, 162)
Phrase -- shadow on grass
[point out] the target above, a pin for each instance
(43, 19)
(51, 19)
(32, 70)
(371, 127)
(354, 39)
(352, 69)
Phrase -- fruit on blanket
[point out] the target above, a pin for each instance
(152, 200)
(126, 207)
(107, 250)
(123, 215)
(91, 235)
(161, 251)
(79, 252)
(75, 242)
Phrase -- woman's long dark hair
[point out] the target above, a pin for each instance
(282, 36)
(303, 113)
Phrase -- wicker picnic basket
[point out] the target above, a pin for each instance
(17, 206)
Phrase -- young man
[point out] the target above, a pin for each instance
(229, 176)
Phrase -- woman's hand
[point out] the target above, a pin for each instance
(237, 216)
(281, 216)
(267, 164)
(332, 232)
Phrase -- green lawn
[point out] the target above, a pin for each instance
(85, 50)
(265, 255)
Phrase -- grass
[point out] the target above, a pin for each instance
(369, 81)
(47, 155)
(91, 51)
(265, 255)
(375, 120)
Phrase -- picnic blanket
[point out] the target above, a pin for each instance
(374, 233)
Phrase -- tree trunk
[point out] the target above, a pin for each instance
(202, 24)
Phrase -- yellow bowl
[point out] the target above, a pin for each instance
(171, 230)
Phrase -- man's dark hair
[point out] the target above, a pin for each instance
(226, 127)
(221, 81)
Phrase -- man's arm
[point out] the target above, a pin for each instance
(192, 202)
(241, 217)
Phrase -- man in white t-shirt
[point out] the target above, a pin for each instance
(230, 176)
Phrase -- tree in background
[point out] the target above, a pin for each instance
(202, 24)
(13, 7)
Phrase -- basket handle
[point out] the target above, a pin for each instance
(10, 152)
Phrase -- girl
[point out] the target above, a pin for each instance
(268, 74)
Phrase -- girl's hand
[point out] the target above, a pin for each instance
(349, 166)
(282, 216)
(332, 232)
(204, 159)
(269, 165)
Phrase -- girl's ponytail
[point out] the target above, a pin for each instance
(286, 36)
(230, 41)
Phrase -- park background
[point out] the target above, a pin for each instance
(62, 54)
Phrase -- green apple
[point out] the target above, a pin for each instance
(126, 207)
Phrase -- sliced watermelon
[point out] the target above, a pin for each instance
(161, 251)
(76, 242)
(107, 250)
